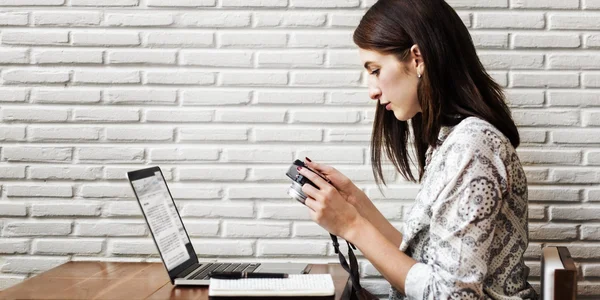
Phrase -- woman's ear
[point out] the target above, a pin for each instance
(417, 59)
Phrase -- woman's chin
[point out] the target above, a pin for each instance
(400, 116)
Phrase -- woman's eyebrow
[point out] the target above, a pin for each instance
(367, 64)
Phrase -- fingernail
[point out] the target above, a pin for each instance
(298, 168)
(308, 159)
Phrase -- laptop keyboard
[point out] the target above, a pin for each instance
(203, 272)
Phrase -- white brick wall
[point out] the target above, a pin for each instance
(224, 94)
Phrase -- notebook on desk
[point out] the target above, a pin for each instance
(296, 285)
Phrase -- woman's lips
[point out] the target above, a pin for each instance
(388, 106)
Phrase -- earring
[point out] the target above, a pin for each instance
(418, 75)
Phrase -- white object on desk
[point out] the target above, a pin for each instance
(294, 285)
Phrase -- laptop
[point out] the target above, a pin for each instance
(172, 240)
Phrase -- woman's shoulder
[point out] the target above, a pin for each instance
(475, 134)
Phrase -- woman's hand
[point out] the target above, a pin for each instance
(328, 208)
(343, 184)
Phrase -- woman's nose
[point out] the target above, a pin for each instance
(374, 93)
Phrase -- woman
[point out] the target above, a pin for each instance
(467, 231)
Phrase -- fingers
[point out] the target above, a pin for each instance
(322, 168)
(311, 203)
(316, 179)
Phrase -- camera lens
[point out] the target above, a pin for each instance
(295, 191)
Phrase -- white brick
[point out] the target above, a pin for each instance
(31, 264)
(139, 19)
(574, 176)
(221, 58)
(239, 209)
(349, 135)
(590, 4)
(37, 228)
(535, 175)
(477, 3)
(184, 154)
(511, 61)
(177, 77)
(128, 247)
(196, 193)
(289, 19)
(67, 246)
(212, 173)
(592, 40)
(213, 134)
(574, 213)
(50, 191)
(66, 18)
(13, 133)
(104, 2)
(140, 96)
(518, 97)
(124, 154)
(67, 56)
(351, 98)
(74, 134)
(248, 116)
(254, 3)
(546, 4)
(491, 40)
(290, 59)
(591, 118)
(343, 155)
(345, 19)
(537, 213)
(104, 228)
(590, 80)
(292, 248)
(13, 95)
(180, 39)
(106, 191)
(65, 95)
(142, 57)
(216, 97)
(343, 59)
(179, 116)
(123, 209)
(252, 78)
(202, 228)
(14, 246)
(324, 4)
(13, 209)
(14, 56)
(34, 115)
(36, 154)
(109, 77)
(574, 62)
(252, 40)
(287, 135)
(346, 117)
(13, 19)
(576, 136)
(546, 156)
(288, 97)
(590, 233)
(219, 247)
(214, 19)
(545, 117)
(105, 38)
(546, 40)
(106, 115)
(593, 158)
(330, 78)
(283, 212)
(544, 79)
(321, 40)
(509, 20)
(257, 155)
(583, 21)
(260, 229)
(574, 98)
(35, 76)
(35, 37)
(120, 173)
(181, 3)
(69, 173)
(135, 134)
(559, 194)
(12, 172)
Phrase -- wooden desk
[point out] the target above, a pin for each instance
(115, 280)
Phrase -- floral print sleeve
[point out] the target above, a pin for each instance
(468, 226)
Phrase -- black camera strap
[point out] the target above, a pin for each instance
(353, 268)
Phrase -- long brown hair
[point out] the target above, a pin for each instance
(454, 82)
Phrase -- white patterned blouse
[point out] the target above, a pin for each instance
(467, 229)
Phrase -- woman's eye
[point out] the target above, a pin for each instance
(375, 72)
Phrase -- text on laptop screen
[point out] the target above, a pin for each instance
(163, 219)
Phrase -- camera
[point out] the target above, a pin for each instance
(298, 180)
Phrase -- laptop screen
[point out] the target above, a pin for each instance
(162, 217)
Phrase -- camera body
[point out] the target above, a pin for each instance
(298, 180)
